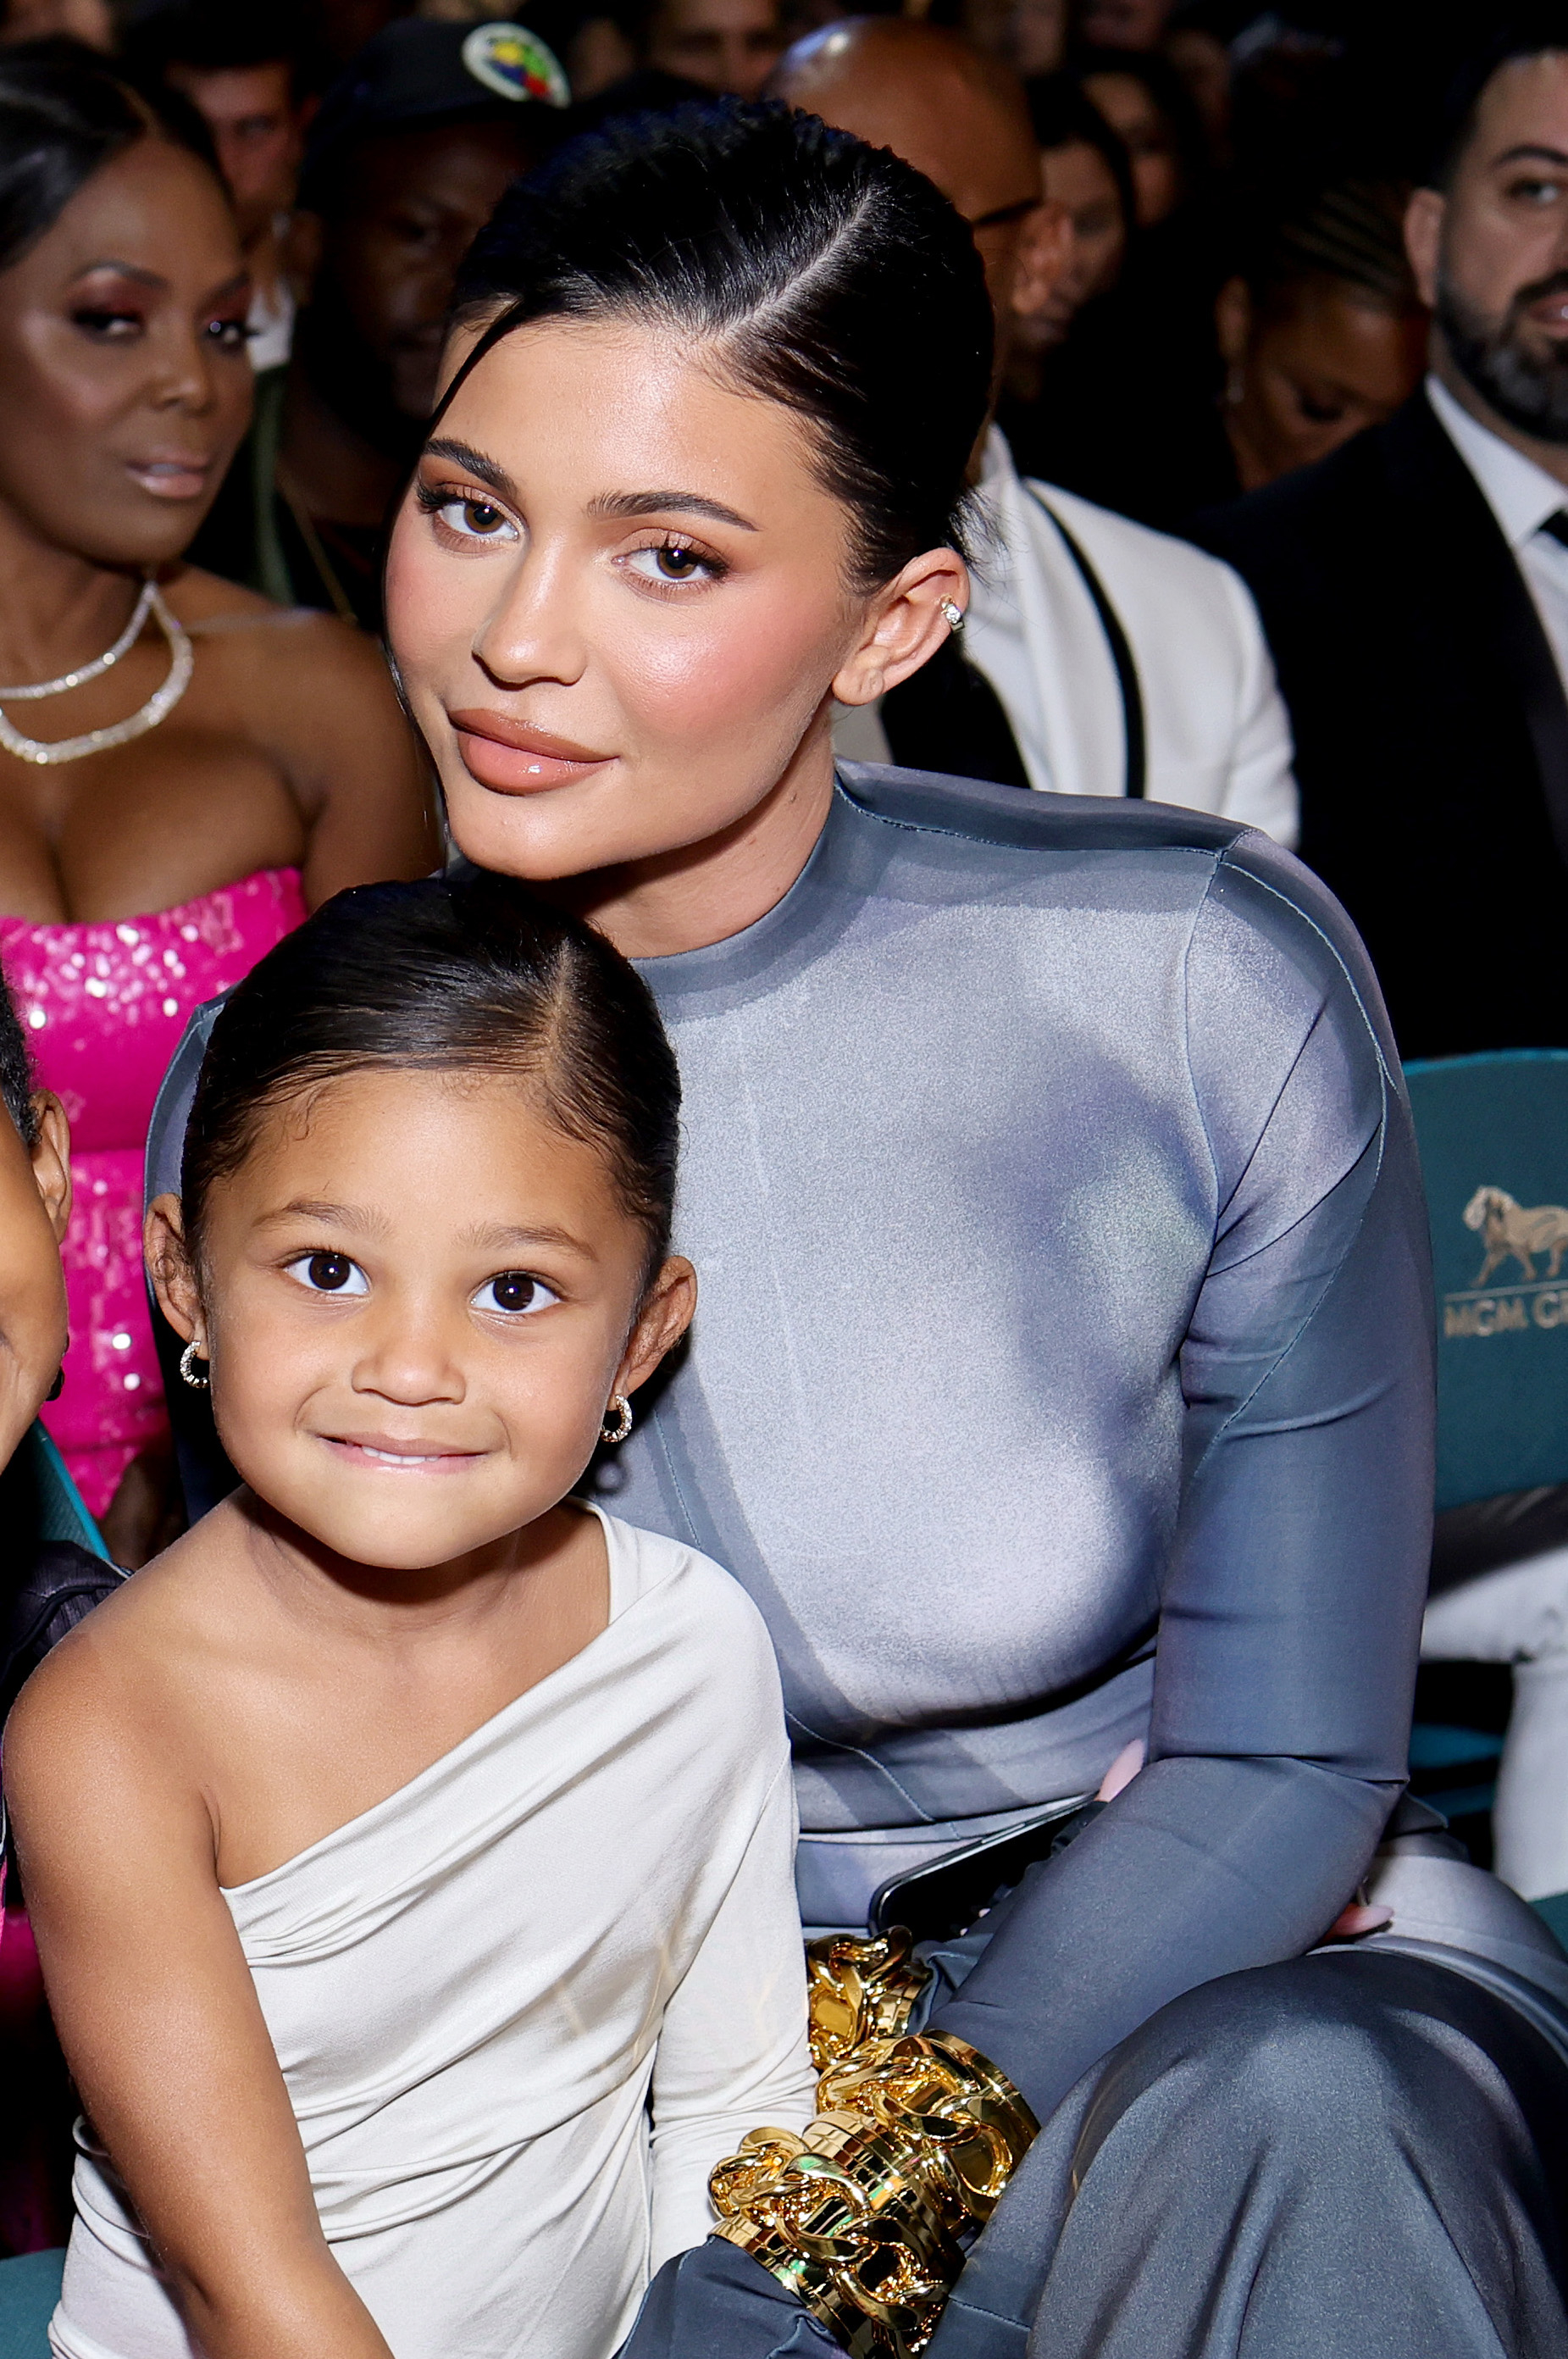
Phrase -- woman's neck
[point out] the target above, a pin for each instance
(707, 892)
(57, 610)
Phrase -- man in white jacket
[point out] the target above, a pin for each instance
(1110, 659)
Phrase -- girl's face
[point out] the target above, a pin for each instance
(416, 1297)
(617, 594)
(124, 387)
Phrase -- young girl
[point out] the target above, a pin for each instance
(409, 1847)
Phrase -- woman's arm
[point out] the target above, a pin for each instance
(732, 2048)
(158, 2017)
(1291, 1607)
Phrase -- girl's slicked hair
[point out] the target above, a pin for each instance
(462, 972)
(796, 261)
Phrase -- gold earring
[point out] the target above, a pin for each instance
(187, 1360)
(952, 616)
(622, 1410)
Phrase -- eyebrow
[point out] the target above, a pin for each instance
(329, 1216)
(642, 504)
(493, 1235)
(1530, 148)
(489, 471)
(999, 216)
(608, 504)
(123, 270)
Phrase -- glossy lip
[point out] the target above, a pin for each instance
(393, 1455)
(172, 476)
(514, 759)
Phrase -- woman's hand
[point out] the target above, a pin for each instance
(156, 2007)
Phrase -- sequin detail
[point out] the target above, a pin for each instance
(103, 1007)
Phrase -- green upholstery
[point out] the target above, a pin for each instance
(1493, 1133)
(29, 2288)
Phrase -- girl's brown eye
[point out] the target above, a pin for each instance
(678, 564)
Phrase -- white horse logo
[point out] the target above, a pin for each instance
(1521, 1231)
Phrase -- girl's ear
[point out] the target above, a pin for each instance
(661, 1323)
(51, 1160)
(168, 1266)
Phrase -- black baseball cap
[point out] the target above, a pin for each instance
(419, 71)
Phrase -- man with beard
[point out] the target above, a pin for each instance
(1414, 588)
(407, 159)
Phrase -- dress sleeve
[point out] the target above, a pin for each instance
(732, 2051)
(1291, 1601)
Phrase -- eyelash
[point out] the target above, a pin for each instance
(298, 1266)
(109, 327)
(434, 500)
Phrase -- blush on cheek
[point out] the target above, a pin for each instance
(699, 688)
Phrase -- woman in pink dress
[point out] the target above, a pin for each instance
(185, 769)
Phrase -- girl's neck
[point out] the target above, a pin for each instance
(709, 891)
(314, 1586)
(58, 609)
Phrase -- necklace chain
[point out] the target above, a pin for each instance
(162, 701)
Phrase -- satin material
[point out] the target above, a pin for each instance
(1064, 1275)
(522, 2006)
(103, 1007)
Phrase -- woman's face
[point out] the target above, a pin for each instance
(1307, 375)
(125, 388)
(1129, 106)
(617, 595)
(1078, 178)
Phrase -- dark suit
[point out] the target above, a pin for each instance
(1432, 730)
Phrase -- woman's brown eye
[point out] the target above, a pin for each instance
(479, 516)
(678, 564)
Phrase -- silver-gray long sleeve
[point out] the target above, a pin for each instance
(1064, 1269)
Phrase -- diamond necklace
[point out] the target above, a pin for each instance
(162, 701)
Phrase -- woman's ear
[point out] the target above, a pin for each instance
(168, 1267)
(660, 1323)
(905, 624)
(51, 1160)
(1233, 321)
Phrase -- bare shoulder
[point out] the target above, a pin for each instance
(240, 624)
(122, 1687)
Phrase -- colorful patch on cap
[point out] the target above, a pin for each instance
(515, 63)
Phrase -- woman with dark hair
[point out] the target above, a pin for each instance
(184, 769)
(1085, 169)
(1062, 1386)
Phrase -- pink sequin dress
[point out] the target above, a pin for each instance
(103, 1007)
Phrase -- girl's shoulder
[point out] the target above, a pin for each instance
(672, 1583)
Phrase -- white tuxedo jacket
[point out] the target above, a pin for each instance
(1124, 660)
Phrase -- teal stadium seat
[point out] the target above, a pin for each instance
(29, 2288)
(1493, 1133)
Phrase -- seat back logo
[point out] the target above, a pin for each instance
(1523, 1234)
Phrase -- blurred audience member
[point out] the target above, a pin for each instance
(1096, 657)
(1149, 107)
(717, 46)
(91, 21)
(1323, 336)
(1415, 590)
(725, 45)
(1124, 24)
(1029, 36)
(1085, 171)
(408, 159)
(185, 769)
(249, 72)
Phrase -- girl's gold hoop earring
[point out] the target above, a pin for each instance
(621, 1412)
(187, 1360)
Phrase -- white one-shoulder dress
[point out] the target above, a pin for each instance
(525, 2004)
